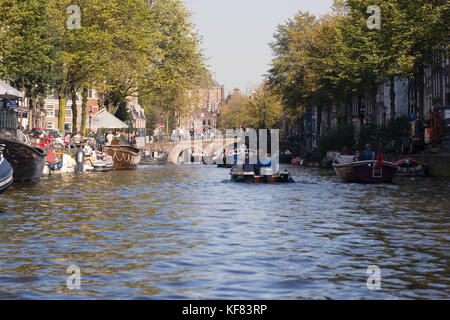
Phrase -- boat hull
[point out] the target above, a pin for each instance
(249, 177)
(102, 168)
(27, 162)
(124, 157)
(6, 175)
(366, 171)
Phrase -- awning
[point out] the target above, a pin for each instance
(9, 93)
(105, 120)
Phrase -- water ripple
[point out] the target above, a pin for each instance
(186, 232)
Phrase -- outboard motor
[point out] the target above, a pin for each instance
(80, 161)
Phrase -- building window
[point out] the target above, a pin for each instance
(50, 125)
(69, 113)
(68, 127)
(90, 94)
(209, 122)
(50, 110)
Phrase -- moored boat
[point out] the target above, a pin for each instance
(285, 156)
(309, 160)
(370, 171)
(6, 174)
(124, 157)
(103, 165)
(410, 167)
(27, 161)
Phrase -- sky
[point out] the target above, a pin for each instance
(236, 35)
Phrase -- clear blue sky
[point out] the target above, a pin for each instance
(236, 35)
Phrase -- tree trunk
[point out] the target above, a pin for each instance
(74, 111)
(84, 96)
(421, 85)
(392, 97)
(62, 112)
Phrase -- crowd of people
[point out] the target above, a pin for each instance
(73, 141)
(180, 134)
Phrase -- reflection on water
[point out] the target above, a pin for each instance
(187, 232)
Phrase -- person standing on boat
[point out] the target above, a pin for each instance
(109, 138)
(368, 154)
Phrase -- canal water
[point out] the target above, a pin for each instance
(187, 232)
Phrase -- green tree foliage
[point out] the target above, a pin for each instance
(122, 47)
(25, 50)
(232, 115)
(123, 113)
(336, 139)
(262, 109)
(324, 61)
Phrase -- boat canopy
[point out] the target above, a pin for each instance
(105, 120)
(9, 93)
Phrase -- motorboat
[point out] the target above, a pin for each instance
(103, 165)
(409, 167)
(6, 174)
(246, 173)
(125, 157)
(263, 170)
(52, 163)
(369, 171)
(27, 161)
(285, 156)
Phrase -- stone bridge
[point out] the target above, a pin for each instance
(181, 151)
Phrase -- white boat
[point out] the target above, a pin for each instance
(103, 165)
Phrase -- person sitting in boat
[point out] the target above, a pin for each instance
(67, 139)
(264, 164)
(357, 156)
(264, 160)
(368, 154)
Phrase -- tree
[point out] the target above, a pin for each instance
(179, 68)
(263, 110)
(232, 115)
(26, 52)
(121, 47)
